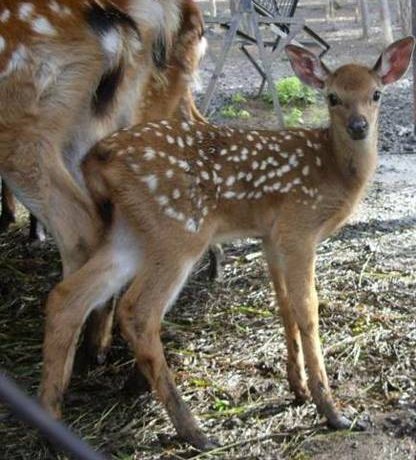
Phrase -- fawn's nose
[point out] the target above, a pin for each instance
(357, 127)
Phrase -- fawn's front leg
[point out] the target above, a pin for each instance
(295, 360)
(299, 272)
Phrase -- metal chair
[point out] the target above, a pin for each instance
(244, 25)
(274, 9)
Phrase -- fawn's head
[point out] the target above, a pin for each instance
(353, 91)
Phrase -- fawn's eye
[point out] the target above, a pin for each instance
(334, 99)
(376, 95)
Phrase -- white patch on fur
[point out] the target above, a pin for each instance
(55, 7)
(2, 44)
(111, 42)
(25, 11)
(42, 26)
(5, 15)
(120, 261)
(17, 61)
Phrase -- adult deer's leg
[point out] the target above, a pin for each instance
(299, 272)
(36, 230)
(141, 311)
(295, 360)
(67, 308)
(8, 207)
(47, 189)
(98, 333)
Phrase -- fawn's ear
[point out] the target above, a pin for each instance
(307, 66)
(394, 60)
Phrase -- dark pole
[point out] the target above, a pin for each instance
(414, 65)
(30, 412)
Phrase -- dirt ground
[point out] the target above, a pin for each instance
(224, 339)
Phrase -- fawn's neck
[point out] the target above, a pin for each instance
(355, 160)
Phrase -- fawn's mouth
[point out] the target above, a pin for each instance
(357, 135)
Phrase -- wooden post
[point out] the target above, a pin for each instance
(386, 21)
(213, 8)
(330, 9)
(365, 18)
(414, 65)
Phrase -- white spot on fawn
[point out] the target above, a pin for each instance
(184, 165)
(305, 170)
(163, 200)
(293, 161)
(191, 225)
(230, 181)
(149, 153)
(2, 44)
(229, 194)
(151, 181)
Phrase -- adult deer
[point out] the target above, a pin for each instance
(71, 72)
(167, 190)
(167, 91)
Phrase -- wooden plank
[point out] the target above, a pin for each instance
(386, 21)
(365, 17)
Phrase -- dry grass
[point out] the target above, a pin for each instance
(226, 346)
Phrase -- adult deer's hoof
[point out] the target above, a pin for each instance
(202, 442)
(340, 422)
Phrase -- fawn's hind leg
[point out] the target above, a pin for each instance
(141, 310)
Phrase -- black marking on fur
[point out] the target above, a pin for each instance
(106, 90)
(102, 19)
(159, 53)
(105, 209)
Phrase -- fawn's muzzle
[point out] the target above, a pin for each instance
(357, 127)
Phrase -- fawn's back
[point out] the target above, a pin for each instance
(190, 176)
